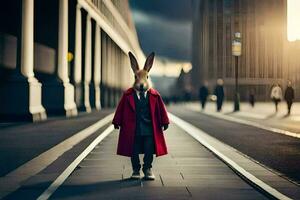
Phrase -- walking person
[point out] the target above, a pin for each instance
(203, 94)
(219, 92)
(252, 97)
(289, 96)
(276, 95)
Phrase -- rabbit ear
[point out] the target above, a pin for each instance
(149, 62)
(133, 62)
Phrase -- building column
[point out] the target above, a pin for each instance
(22, 93)
(103, 70)
(62, 68)
(77, 76)
(27, 38)
(97, 66)
(87, 64)
(108, 73)
(58, 92)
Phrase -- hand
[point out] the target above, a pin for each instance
(116, 126)
(165, 127)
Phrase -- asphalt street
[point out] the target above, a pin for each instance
(21, 142)
(190, 171)
(278, 152)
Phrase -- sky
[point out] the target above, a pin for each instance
(164, 26)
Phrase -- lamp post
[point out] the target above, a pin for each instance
(237, 52)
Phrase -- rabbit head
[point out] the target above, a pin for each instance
(141, 82)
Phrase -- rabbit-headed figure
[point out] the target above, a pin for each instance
(141, 116)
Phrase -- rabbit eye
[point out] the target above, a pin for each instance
(147, 77)
(135, 76)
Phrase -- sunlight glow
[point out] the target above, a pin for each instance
(293, 20)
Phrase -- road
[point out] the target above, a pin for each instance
(276, 151)
(201, 164)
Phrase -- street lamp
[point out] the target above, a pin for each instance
(236, 52)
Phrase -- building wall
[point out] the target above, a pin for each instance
(57, 93)
(266, 57)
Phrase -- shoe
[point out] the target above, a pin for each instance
(148, 174)
(135, 175)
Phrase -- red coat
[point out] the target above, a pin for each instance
(126, 118)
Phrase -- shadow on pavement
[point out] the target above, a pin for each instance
(104, 189)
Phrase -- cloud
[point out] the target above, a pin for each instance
(167, 37)
(178, 10)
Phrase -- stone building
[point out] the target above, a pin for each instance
(38, 40)
(267, 56)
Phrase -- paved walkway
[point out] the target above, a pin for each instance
(189, 171)
(263, 113)
(268, 156)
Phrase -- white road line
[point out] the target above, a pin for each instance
(40, 162)
(197, 134)
(62, 177)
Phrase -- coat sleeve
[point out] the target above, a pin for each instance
(118, 118)
(163, 112)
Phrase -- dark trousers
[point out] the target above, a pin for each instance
(203, 102)
(276, 101)
(219, 105)
(142, 144)
(289, 105)
(252, 100)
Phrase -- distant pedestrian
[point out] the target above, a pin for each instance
(276, 95)
(289, 96)
(187, 96)
(219, 92)
(203, 94)
(252, 97)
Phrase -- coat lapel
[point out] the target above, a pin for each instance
(152, 102)
(131, 101)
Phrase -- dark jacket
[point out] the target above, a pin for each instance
(203, 93)
(289, 94)
(219, 92)
(143, 116)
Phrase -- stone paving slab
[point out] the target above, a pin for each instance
(189, 171)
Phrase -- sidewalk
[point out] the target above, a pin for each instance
(189, 171)
(263, 114)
